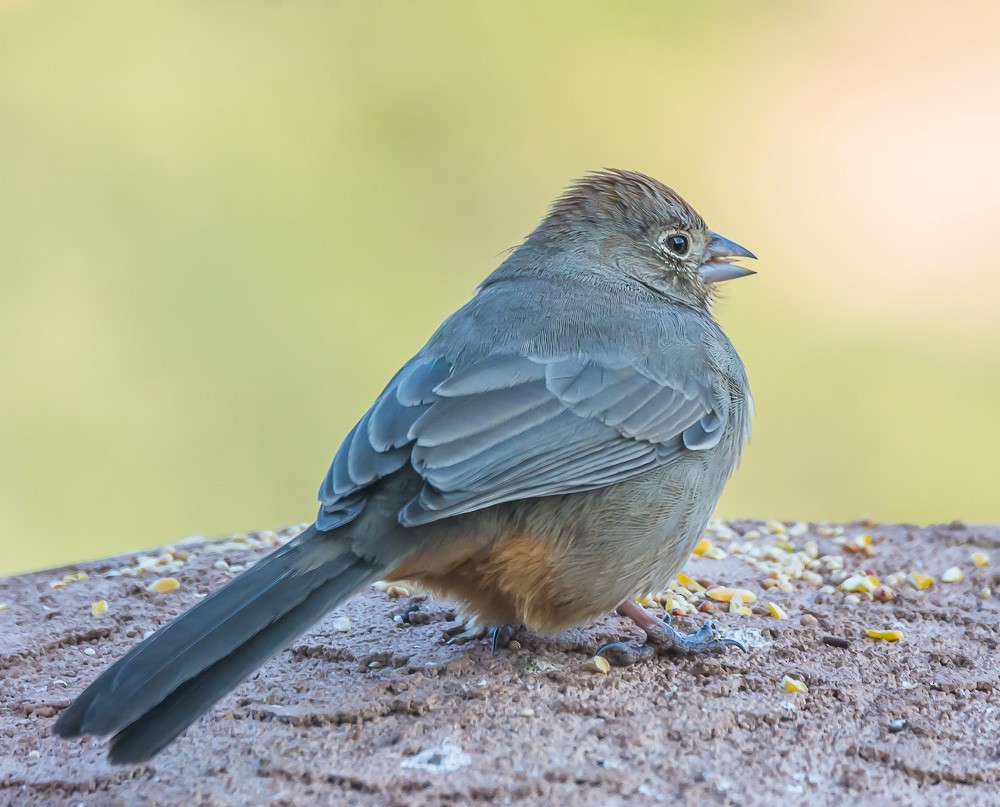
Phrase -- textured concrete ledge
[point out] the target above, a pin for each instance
(381, 711)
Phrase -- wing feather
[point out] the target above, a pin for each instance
(514, 427)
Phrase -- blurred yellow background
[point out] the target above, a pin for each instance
(224, 225)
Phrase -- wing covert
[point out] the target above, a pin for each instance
(514, 427)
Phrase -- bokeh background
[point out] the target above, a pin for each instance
(224, 225)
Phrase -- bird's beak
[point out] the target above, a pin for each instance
(718, 266)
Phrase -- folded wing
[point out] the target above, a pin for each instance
(515, 427)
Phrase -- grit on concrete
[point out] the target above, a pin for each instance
(390, 713)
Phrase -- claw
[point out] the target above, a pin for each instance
(500, 637)
(623, 654)
(734, 643)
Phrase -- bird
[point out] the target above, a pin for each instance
(569, 429)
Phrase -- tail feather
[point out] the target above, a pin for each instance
(153, 693)
(156, 728)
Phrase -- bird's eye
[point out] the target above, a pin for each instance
(677, 243)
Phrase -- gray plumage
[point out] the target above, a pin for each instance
(569, 429)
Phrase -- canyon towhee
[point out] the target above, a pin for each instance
(568, 430)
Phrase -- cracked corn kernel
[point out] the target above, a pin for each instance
(864, 583)
(702, 547)
(342, 624)
(980, 558)
(597, 664)
(99, 608)
(724, 594)
(57, 584)
(776, 611)
(163, 585)
(689, 583)
(790, 684)
(953, 575)
(714, 553)
(984, 594)
(920, 581)
(674, 606)
(885, 635)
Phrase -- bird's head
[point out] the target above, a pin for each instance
(637, 225)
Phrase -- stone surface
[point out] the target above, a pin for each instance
(390, 713)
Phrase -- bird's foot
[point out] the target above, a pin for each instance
(461, 634)
(661, 636)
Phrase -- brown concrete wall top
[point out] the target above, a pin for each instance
(381, 710)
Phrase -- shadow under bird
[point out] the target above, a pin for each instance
(568, 430)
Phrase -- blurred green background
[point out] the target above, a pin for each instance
(224, 225)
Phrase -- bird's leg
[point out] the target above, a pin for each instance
(661, 635)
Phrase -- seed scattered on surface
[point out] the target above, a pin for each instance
(953, 575)
(597, 664)
(883, 594)
(396, 592)
(980, 558)
(514, 644)
(725, 594)
(853, 599)
(885, 635)
(861, 583)
(99, 608)
(714, 553)
(790, 684)
(837, 641)
(164, 585)
(689, 583)
(777, 611)
(57, 584)
(702, 546)
(89, 651)
(808, 621)
(3, 606)
(342, 624)
(528, 712)
(984, 594)
(813, 578)
(706, 607)
(862, 545)
(920, 581)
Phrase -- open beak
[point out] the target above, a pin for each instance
(719, 266)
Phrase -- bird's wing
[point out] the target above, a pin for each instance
(515, 427)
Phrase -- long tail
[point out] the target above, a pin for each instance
(157, 690)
